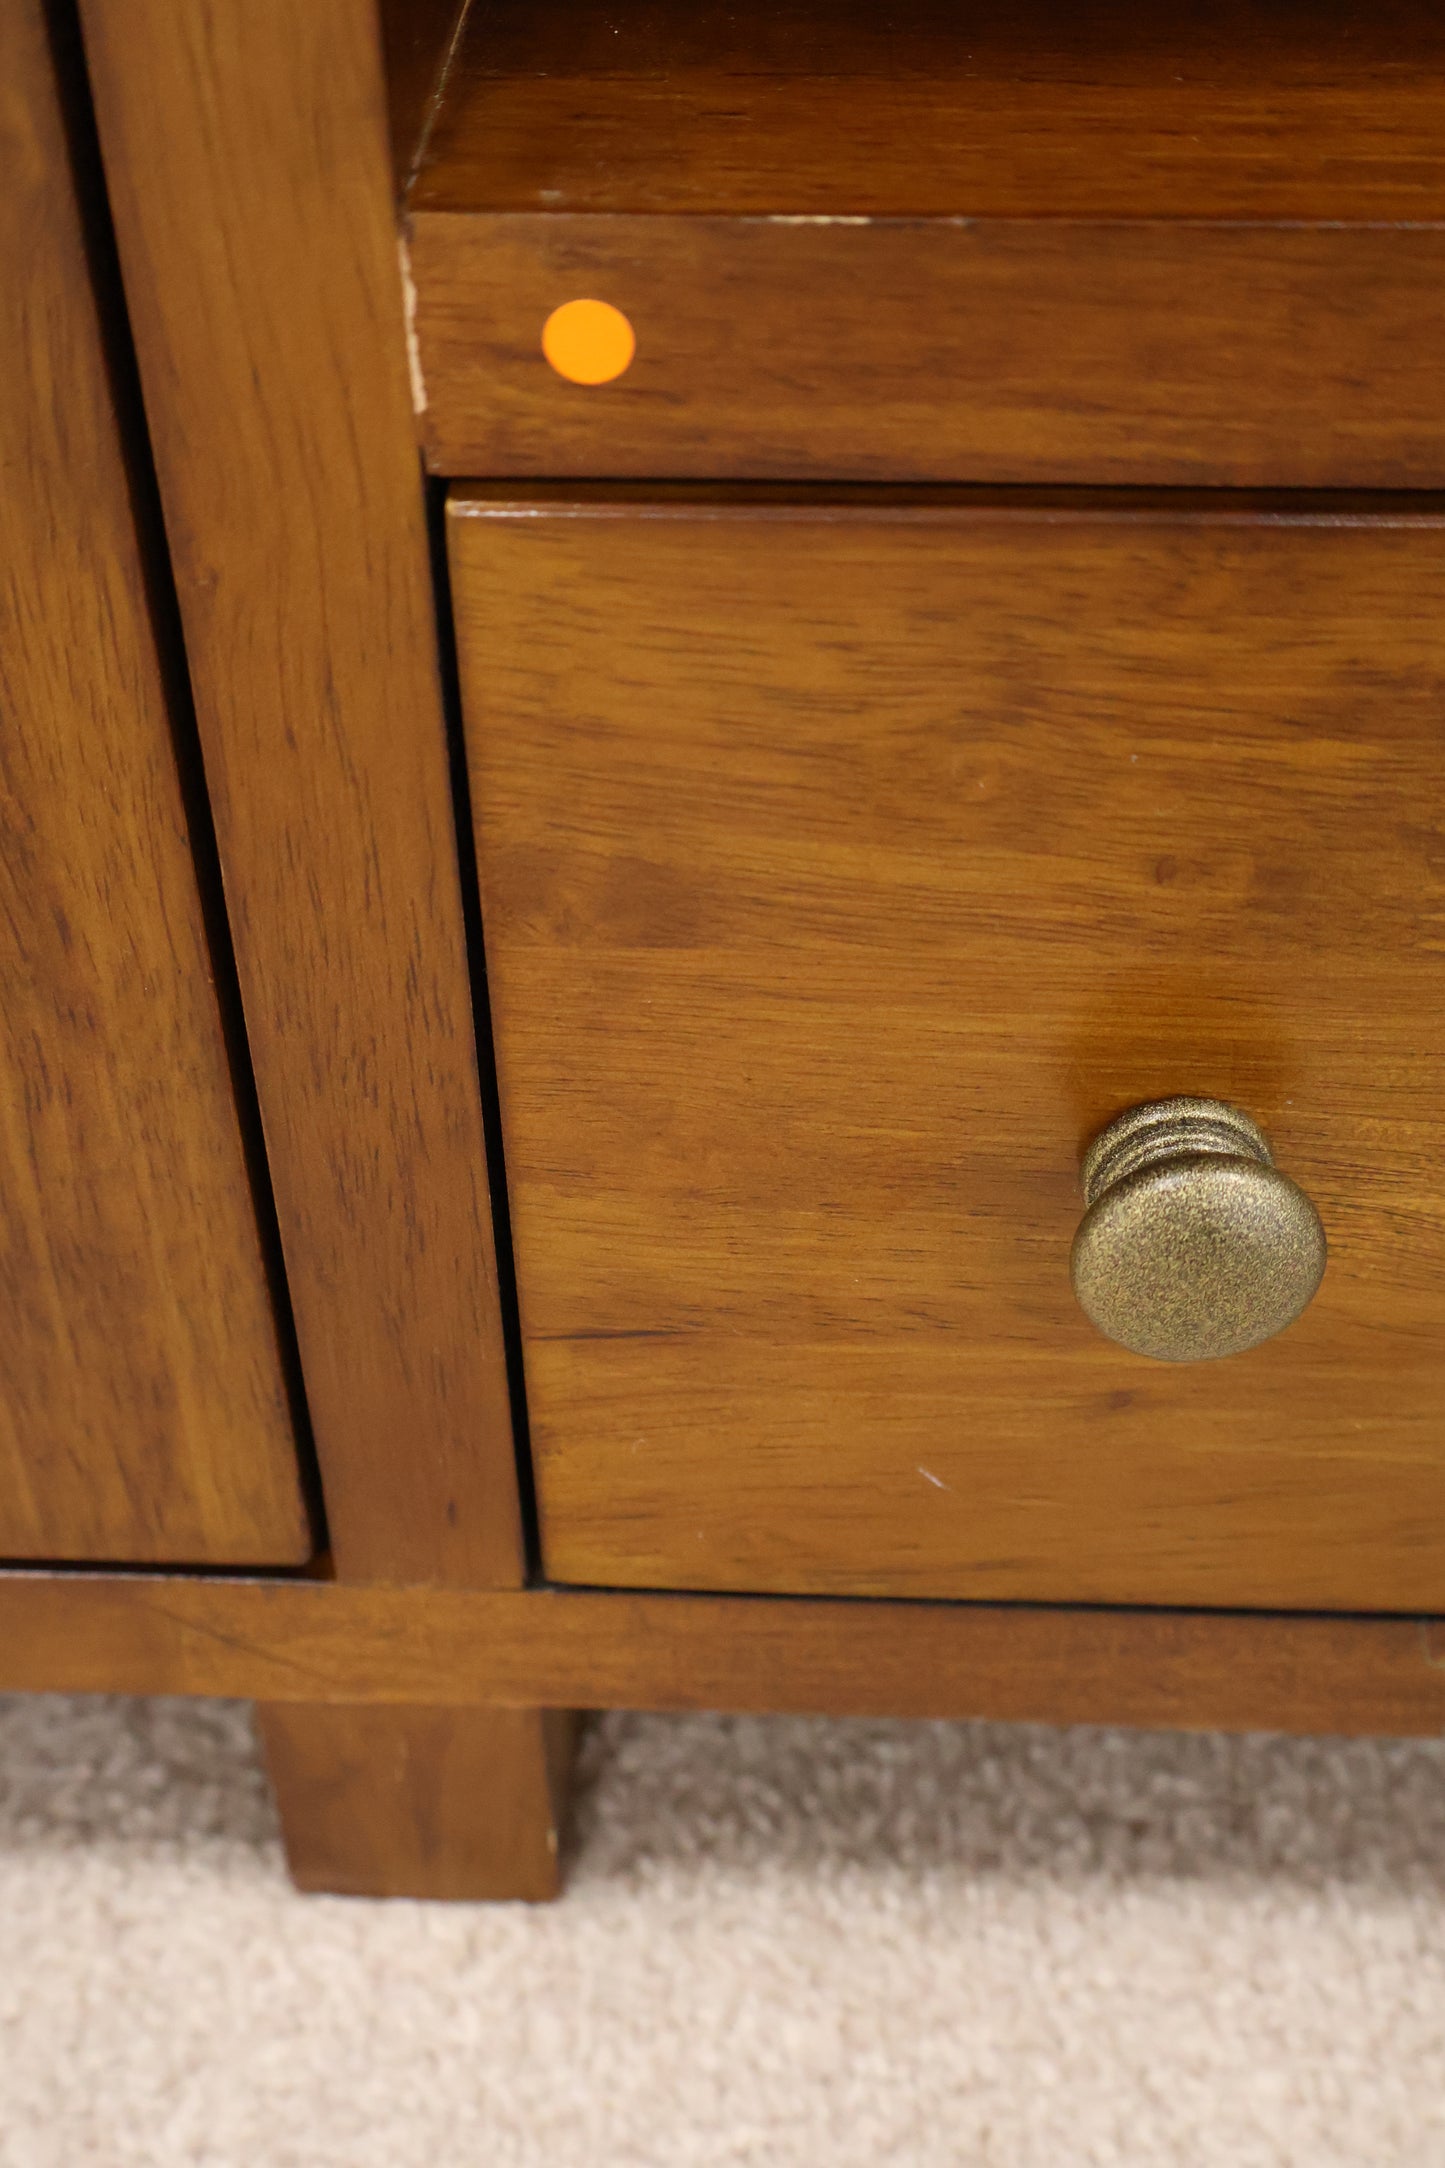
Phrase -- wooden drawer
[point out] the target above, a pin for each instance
(846, 863)
(1045, 245)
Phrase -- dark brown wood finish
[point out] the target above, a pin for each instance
(318, 1643)
(1003, 243)
(846, 865)
(420, 1802)
(418, 39)
(1012, 108)
(143, 1413)
(245, 144)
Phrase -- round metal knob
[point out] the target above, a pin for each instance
(1193, 1244)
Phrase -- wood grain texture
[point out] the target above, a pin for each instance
(143, 1413)
(1011, 109)
(845, 867)
(313, 1642)
(419, 1802)
(245, 141)
(1026, 244)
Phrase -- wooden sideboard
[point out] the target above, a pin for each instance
(575, 916)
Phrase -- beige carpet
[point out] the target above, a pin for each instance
(784, 1942)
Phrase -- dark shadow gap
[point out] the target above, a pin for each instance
(482, 1020)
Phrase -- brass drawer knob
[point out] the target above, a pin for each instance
(1193, 1244)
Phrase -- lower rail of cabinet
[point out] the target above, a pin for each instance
(301, 1639)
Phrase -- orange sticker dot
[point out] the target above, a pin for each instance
(588, 342)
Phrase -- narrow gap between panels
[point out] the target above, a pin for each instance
(164, 614)
(482, 1022)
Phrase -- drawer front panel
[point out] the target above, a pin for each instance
(941, 350)
(845, 866)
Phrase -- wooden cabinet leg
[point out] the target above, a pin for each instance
(386, 1801)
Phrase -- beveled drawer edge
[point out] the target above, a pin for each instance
(932, 502)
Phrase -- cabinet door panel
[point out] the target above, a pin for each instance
(143, 1412)
(846, 864)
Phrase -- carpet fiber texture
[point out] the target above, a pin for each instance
(783, 1942)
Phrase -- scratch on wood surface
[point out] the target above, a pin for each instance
(413, 349)
(189, 1623)
(959, 221)
(435, 101)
